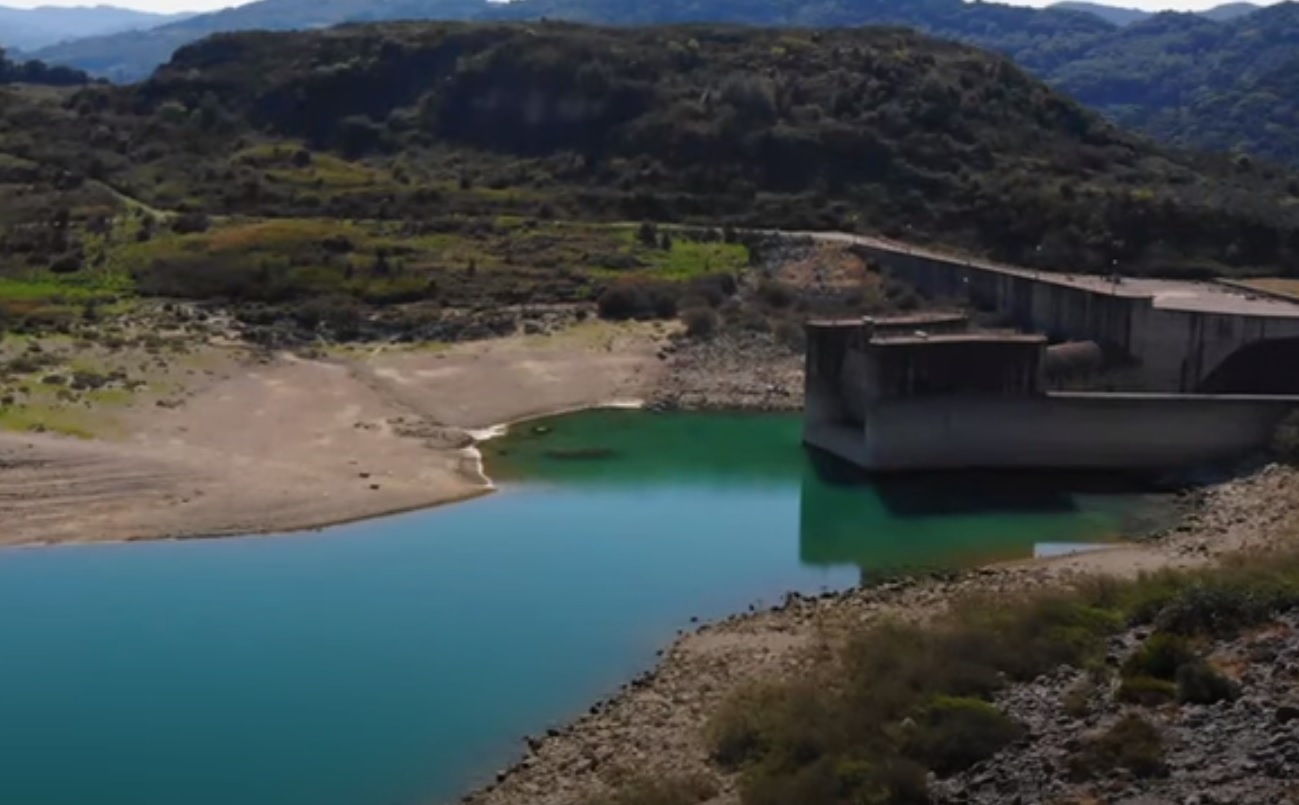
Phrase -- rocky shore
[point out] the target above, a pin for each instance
(735, 370)
(1243, 749)
(655, 725)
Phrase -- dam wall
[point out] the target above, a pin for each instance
(889, 402)
(1066, 431)
(1176, 333)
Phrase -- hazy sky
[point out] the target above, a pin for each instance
(208, 5)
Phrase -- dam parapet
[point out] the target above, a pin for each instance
(930, 393)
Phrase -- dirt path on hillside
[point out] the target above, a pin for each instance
(289, 443)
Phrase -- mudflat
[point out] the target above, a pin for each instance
(266, 442)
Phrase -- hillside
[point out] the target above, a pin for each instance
(14, 71)
(434, 126)
(1193, 82)
(1158, 75)
(1119, 15)
(132, 56)
(32, 28)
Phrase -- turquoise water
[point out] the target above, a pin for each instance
(402, 660)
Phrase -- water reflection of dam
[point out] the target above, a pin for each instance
(895, 524)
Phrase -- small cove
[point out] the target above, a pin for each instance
(402, 660)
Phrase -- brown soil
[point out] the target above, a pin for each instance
(284, 442)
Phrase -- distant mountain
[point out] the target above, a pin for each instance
(1160, 75)
(1111, 14)
(133, 56)
(1229, 11)
(32, 28)
(1127, 16)
(127, 57)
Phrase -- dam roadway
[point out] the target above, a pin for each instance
(1176, 336)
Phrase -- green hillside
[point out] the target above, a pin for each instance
(1170, 75)
(448, 148)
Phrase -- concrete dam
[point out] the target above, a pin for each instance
(1088, 373)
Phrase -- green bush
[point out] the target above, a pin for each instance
(701, 322)
(190, 223)
(1159, 657)
(775, 294)
(638, 300)
(1131, 744)
(896, 701)
(896, 781)
(678, 790)
(1224, 608)
(69, 263)
(1199, 683)
(1146, 691)
(954, 733)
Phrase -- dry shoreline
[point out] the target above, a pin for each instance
(287, 443)
(296, 443)
(654, 725)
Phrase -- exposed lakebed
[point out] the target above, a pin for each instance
(402, 660)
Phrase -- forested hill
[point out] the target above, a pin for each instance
(1120, 15)
(36, 72)
(881, 130)
(1192, 82)
(1184, 78)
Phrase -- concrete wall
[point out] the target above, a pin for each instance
(1084, 431)
(1177, 349)
(828, 348)
(1180, 349)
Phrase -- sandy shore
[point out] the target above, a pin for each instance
(264, 443)
(655, 724)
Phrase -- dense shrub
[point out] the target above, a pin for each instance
(1223, 609)
(775, 294)
(188, 223)
(1145, 690)
(715, 288)
(954, 733)
(701, 322)
(896, 701)
(1159, 657)
(638, 300)
(341, 315)
(1199, 683)
(678, 790)
(1131, 744)
(67, 264)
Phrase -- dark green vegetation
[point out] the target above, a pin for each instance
(658, 791)
(1132, 744)
(37, 72)
(1216, 80)
(876, 130)
(1121, 15)
(896, 701)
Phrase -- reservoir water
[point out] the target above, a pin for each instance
(401, 660)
